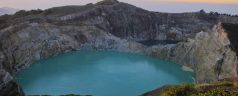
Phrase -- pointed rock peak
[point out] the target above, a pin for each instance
(108, 2)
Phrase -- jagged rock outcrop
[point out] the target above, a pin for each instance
(200, 42)
(208, 54)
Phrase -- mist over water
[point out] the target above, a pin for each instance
(100, 73)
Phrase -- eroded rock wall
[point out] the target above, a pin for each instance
(209, 54)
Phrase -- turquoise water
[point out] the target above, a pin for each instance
(100, 73)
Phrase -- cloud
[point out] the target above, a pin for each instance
(211, 1)
(223, 6)
(204, 1)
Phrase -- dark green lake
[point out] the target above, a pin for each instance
(100, 73)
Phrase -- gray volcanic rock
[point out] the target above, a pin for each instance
(208, 54)
(201, 42)
(35, 41)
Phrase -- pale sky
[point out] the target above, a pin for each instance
(175, 6)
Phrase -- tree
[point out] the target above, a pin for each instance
(202, 11)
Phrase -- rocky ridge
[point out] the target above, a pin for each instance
(203, 42)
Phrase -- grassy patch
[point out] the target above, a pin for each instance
(213, 89)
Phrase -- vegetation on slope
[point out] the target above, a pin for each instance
(232, 30)
(223, 88)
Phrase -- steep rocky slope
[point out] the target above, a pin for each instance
(209, 54)
(200, 41)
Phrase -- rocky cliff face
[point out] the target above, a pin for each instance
(209, 54)
(201, 42)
